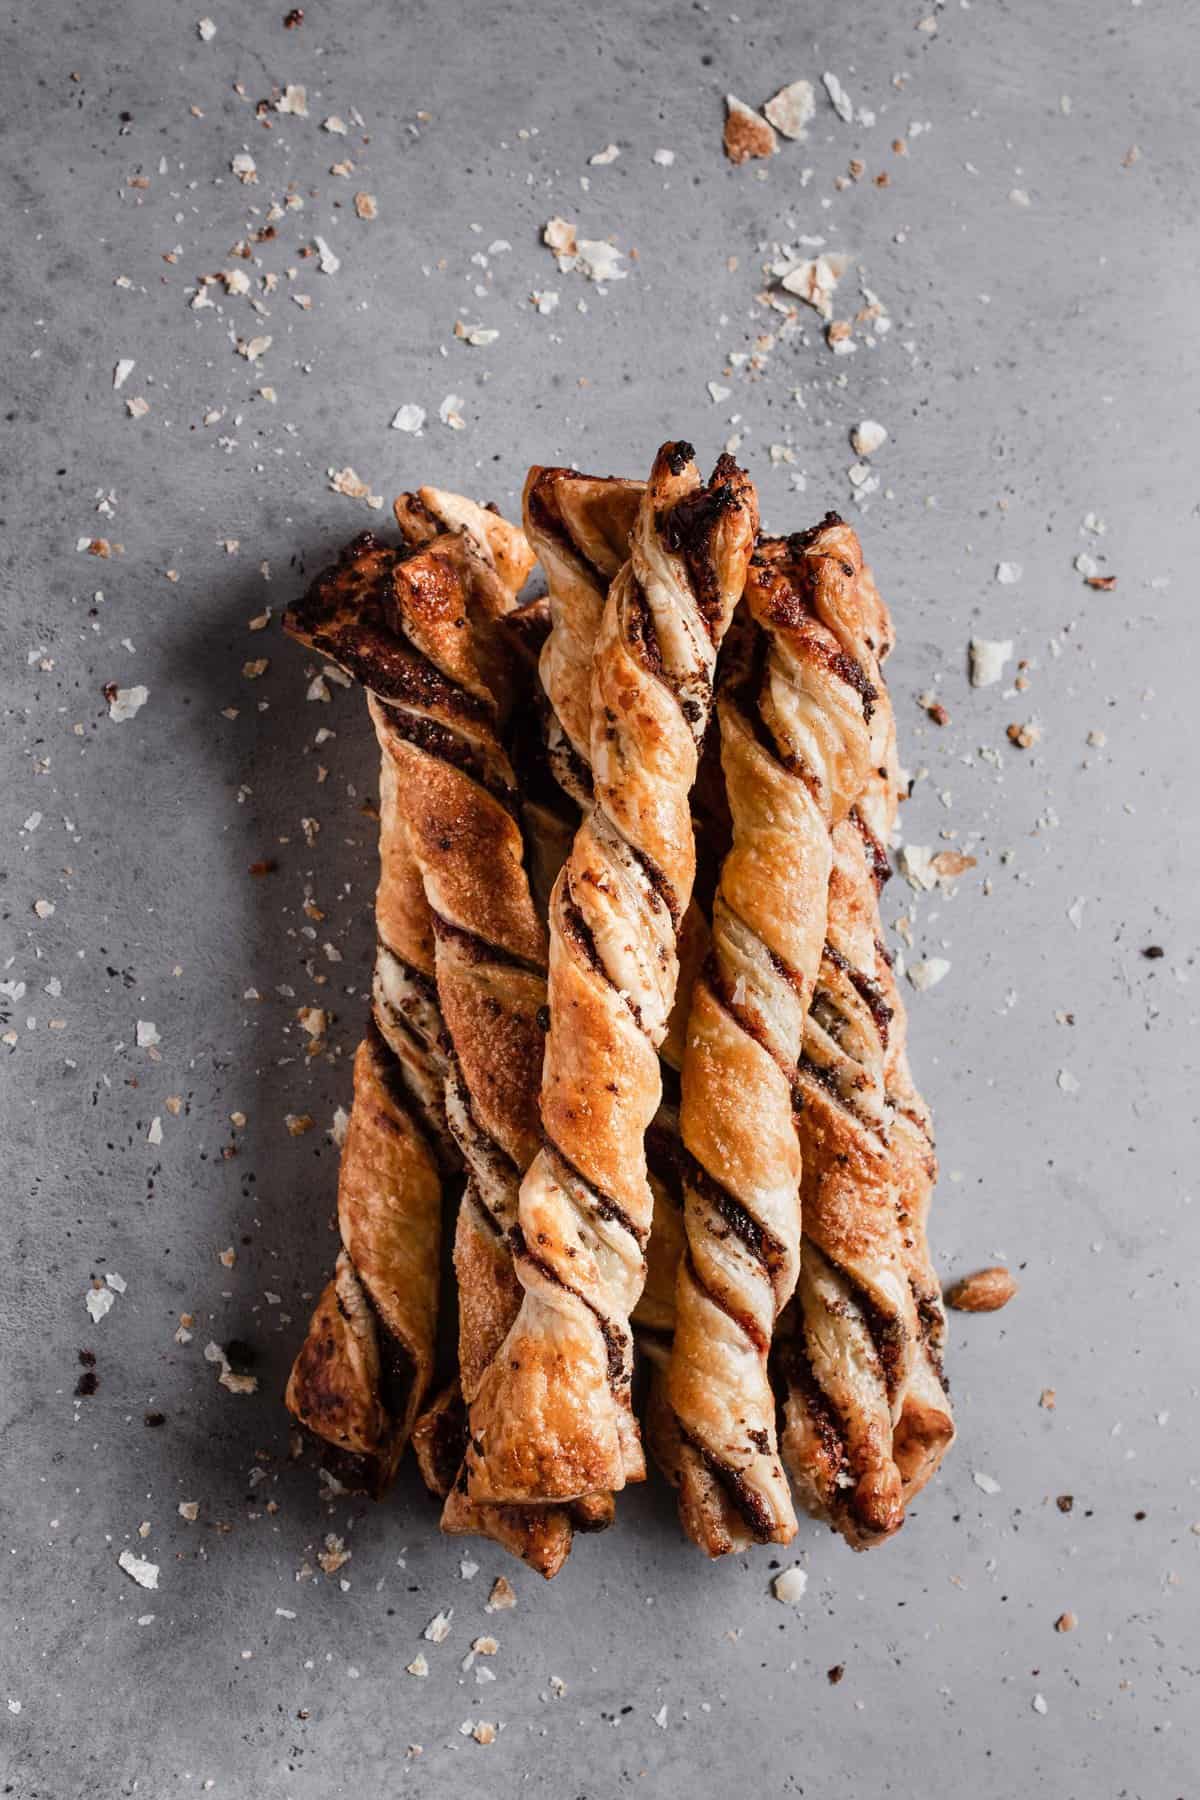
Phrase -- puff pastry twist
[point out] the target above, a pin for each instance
(424, 633)
(866, 1415)
(552, 1419)
(360, 1375)
(489, 1293)
(795, 710)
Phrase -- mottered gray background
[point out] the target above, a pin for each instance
(1032, 257)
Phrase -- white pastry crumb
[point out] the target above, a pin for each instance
(988, 657)
(790, 1586)
(143, 1572)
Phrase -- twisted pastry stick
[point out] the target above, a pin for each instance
(360, 1375)
(552, 1419)
(421, 631)
(489, 1293)
(499, 1043)
(795, 711)
(865, 1353)
(579, 526)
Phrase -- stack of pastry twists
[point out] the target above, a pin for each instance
(553, 1417)
(704, 1119)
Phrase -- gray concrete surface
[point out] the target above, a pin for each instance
(1040, 367)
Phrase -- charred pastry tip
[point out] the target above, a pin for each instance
(358, 546)
(804, 540)
(678, 455)
(726, 468)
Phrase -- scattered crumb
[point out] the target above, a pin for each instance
(927, 974)
(988, 657)
(791, 109)
(985, 1291)
(503, 1595)
(868, 437)
(598, 260)
(791, 1585)
(236, 1384)
(334, 1555)
(348, 482)
(125, 703)
(747, 134)
(138, 1569)
(838, 97)
(814, 280)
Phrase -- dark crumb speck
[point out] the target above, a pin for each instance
(154, 1420)
(88, 1358)
(1065, 1502)
(292, 20)
(835, 1674)
(1152, 952)
(87, 1384)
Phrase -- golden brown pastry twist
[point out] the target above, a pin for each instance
(866, 1415)
(489, 1293)
(795, 711)
(361, 1373)
(552, 1419)
(423, 632)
